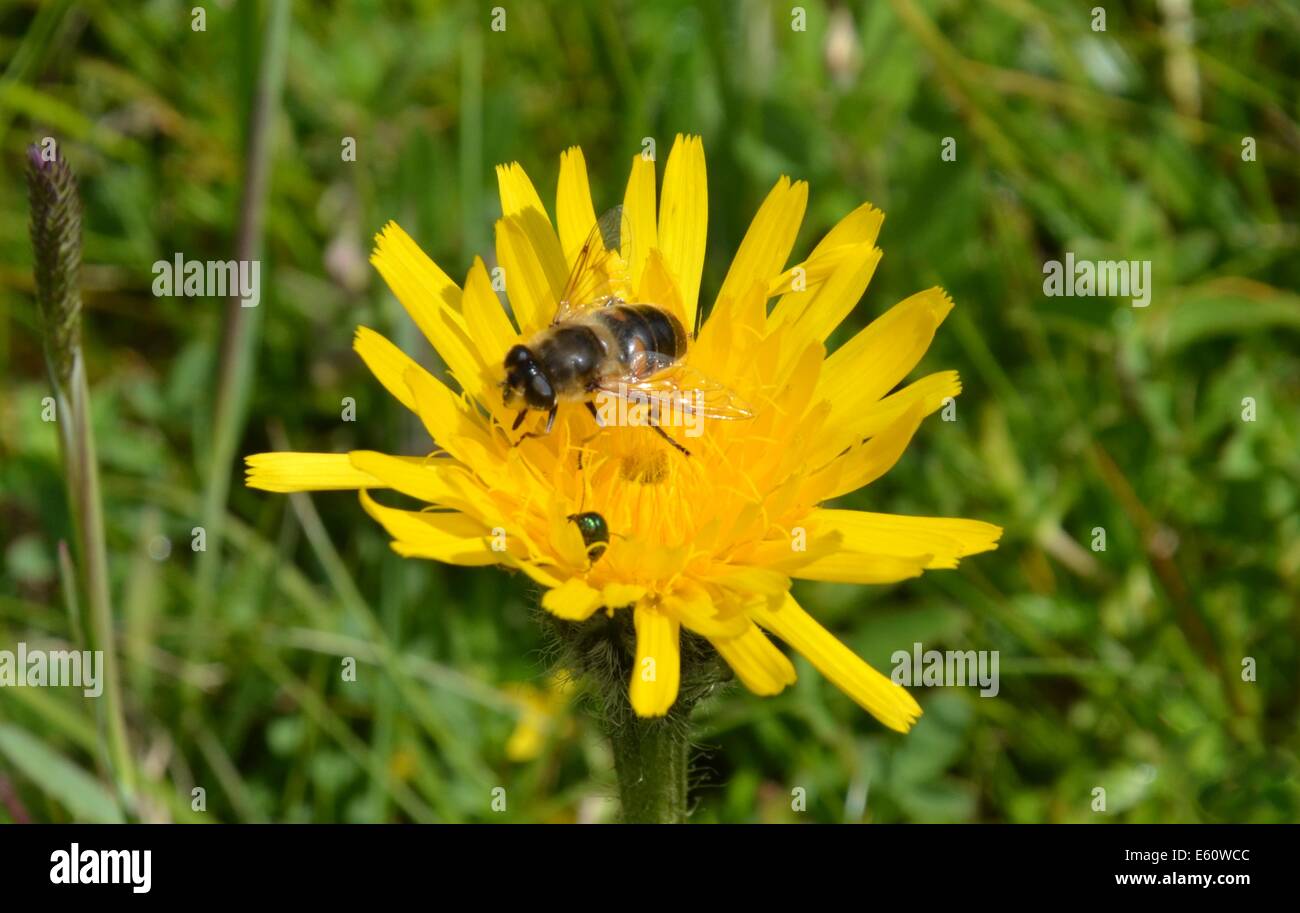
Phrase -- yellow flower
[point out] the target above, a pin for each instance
(541, 711)
(707, 541)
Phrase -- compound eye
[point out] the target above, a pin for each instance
(517, 357)
(540, 389)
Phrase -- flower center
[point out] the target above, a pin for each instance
(648, 467)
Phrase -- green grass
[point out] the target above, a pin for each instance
(1120, 669)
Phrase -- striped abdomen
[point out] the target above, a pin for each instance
(641, 337)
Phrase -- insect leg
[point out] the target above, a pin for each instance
(550, 423)
(663, 434)
(595, 416)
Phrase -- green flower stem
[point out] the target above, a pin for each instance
(651, 759)
(651, 756)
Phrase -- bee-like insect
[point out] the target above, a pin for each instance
(595, 533)
(598, 343)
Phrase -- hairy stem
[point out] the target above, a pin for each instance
(651, 758)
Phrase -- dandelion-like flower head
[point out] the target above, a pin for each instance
(707, 541)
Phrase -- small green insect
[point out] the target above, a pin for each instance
(595, 533)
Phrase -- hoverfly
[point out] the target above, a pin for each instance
(598, 343)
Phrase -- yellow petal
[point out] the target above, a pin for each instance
(289, 471)
(838, 295)
(573, 600)
(656, 673)
(429, 535)
(855, 233)
(872, 691)
(767, 244)
(684, 218)
(620, 595)
(418, 477)
(691, 604)
(432, 300)
(863, 463)
(533, 296)
(443, 483)
(447, 551)
(766, 582)
(453, 425)
(945, 539)
(573, 210)
(520, 203)
(882, 354)
(757, 662)
(798, 283)
(639, 211)
(860, 227)
(728, 339)
(396, 252)
(387, 362)
(537, 574)
(657, 285)
(780, 551)
(930, 392)
(856, 567)
(486, 320)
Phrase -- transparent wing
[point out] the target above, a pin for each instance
(600, 274)
(680, 387)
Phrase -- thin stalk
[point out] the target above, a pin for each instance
(83, 482)
(56, 245)
(68, 583)
(238, 356)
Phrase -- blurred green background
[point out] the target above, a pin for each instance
(1120, 669)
